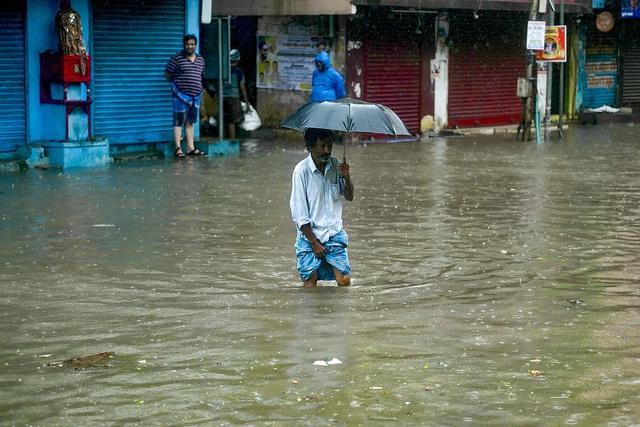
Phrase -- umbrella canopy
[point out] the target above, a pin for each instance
(346, 115)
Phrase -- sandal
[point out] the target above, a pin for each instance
(196, 152)
(178, 153)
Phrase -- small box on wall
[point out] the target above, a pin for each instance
(65, 68)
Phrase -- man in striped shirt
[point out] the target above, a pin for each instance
(185, 71)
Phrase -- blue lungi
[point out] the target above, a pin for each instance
(336, 256)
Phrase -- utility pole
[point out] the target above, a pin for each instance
(561, 91)
(524, 130)
(547, 110)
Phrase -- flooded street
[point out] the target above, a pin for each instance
(494, 282)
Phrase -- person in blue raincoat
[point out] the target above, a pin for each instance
(326, 83)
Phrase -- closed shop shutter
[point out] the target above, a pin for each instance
(485, 61)
(393, 71)
(132, 42)
(631, 65)
(601, 68)
(12, 76)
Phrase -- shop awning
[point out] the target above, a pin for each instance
(279, 7)
(571, 6)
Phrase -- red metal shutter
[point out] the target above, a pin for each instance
(484, 65)
(392, 76)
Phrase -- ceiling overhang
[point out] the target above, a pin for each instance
(571, 6)
(280, 7)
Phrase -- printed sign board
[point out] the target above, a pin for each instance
(555, 44)
(630, 9)
(535, 35)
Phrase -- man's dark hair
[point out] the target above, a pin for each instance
(188, 37)
(311, 135)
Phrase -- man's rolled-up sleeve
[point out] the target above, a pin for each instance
(298, 202)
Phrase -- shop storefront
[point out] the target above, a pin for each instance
(132, 42)
(630, 63)
(12, 76)
(486, 57)
(600, 81)
(387, 61)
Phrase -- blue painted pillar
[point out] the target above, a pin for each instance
(192, 26)
(46, 121)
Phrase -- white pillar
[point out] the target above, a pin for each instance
(440, 73)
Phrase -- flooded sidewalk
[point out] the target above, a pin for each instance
(494, 282)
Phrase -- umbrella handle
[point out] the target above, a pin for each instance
(344, 148)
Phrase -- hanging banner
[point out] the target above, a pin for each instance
(630, 9)
(286, 61)
(555, 44)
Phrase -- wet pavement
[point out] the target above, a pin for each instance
(495, 282)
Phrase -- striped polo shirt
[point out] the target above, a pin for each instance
(187, 75)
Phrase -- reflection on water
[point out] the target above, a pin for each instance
(494, 282)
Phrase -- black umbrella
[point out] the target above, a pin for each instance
(346, 115)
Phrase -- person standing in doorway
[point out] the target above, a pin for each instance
(185, 71)
(326, 83)
(232, 93)
(318, 184)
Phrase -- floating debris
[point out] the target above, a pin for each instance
(536, 373)
(334, 361)
(83, 362)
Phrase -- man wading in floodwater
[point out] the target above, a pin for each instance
(318, 183)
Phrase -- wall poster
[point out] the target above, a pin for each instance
(630, 9)
(286, 61)
(555, 44)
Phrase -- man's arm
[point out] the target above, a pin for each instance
(300, 212)
(243, 91)
(349, 190)
(317, 247)
(203, 80)
(170, 69)
(338, 85)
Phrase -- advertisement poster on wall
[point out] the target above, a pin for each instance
(630, 9)
(555, 44)
(286, 61)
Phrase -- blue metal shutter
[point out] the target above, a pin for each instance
(601, 69)
(12, 76)
(132, 42)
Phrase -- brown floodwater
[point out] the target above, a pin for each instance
(494, 282)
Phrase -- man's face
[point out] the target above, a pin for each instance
(190, 46)
(321, 152)
(319, 65)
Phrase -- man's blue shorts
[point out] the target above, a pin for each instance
(336, 257)
(183, 112)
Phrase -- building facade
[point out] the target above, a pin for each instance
(126, 99)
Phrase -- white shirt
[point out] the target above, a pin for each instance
(315, 198)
